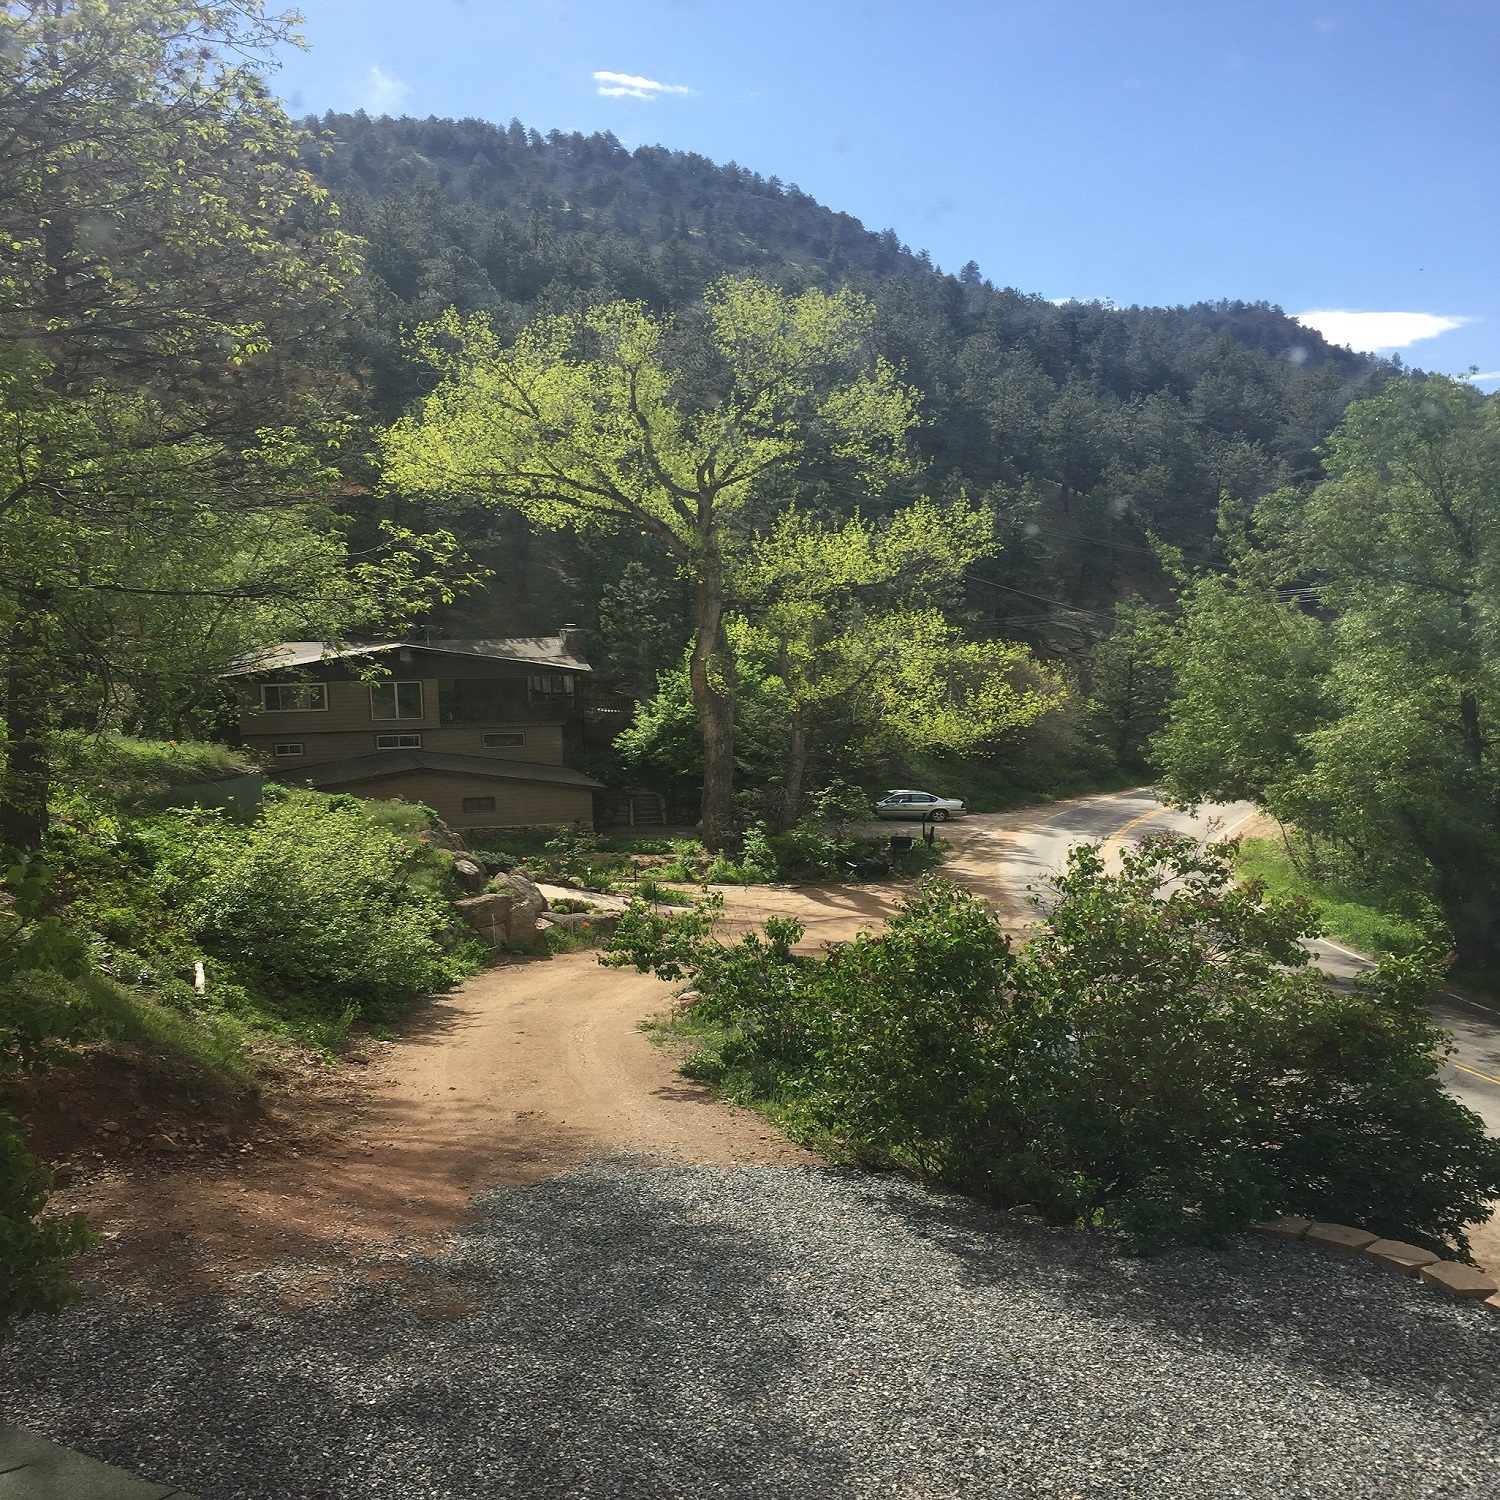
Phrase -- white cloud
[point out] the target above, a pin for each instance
(1483, 375)
(384, 92)
(628, 86)
(1377, 331)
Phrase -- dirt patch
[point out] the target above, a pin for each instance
(523, 1072)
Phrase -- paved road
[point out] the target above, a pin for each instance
(1033, 854)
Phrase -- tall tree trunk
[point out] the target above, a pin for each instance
(30, 708)
(796, 767)
(711, 673)
(1473, 733)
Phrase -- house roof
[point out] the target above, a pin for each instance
(531, 650)
(393, 762)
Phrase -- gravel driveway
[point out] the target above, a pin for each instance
(662, 1331)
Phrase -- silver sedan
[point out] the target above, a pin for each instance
(905, 803)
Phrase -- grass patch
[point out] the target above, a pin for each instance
(214, 1044)
(1351, 914)
(662, 895)
(124, 772)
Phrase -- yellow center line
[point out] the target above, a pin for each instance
(1112, 843)
(1472, 1072)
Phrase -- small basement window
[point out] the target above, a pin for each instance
(395, 700)
(294, 748)
(479, 804)
(398, 741)
(293, 697)
(510, 741)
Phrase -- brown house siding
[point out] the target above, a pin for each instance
(517, 803)
(348, 708)
(544, 742)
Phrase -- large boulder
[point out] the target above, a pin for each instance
(520, 890)
(470, 874)
(499, 921)
(441, 836)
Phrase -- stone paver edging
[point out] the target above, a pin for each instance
(1452, 1276)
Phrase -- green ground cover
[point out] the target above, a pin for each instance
(1351, 913)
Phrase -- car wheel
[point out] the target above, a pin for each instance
(939, 815)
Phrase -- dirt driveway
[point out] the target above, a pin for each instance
(524, 1071)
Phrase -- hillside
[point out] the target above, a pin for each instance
(1088, 426)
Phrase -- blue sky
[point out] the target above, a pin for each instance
(1337, 156)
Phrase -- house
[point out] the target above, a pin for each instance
(480, 731)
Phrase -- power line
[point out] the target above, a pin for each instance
(1040, 598)
(1030, 528)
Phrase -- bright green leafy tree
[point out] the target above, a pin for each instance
(850, 619)
(172, 286)
(617, 418)
(1347, 677)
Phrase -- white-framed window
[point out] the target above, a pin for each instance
(398, 741)
(479, 804)
(507, 739)
(545, 687)
(293, 697)
(291, 748)
(395, 700)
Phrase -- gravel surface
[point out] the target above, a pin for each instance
(658, 1331)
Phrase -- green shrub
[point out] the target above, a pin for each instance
(571, 904)
(317, 900)
(755, 866)
(1158, 1059)
(35, 1246)
(42, 1012)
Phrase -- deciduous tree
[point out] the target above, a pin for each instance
(1348, 677)
(170, 278)
(614, 417)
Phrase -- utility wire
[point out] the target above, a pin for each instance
(1040, 598)
(1029, 528)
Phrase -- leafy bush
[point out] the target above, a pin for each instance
(40, 1015)
(572, 858)
(316, 899)
(1158, 1059)
(755, 866)
(571, 904)
(314, 911)
(651, 889)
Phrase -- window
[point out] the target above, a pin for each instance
(544, 687)
(395, 700)
(511, 741)
(398, 741)
(293, 697)
(295, 748)
(479, 804)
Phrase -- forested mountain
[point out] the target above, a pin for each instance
(1090, 428)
